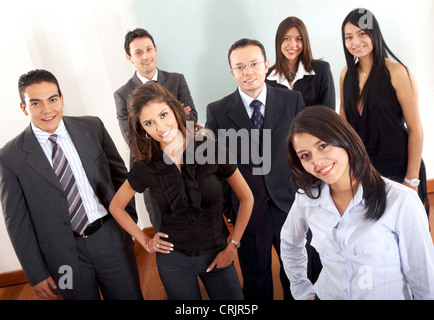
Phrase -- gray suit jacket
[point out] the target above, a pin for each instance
(174, 82)
(282, 106)
(34, 204)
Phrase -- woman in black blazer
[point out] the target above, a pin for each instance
(295, 68)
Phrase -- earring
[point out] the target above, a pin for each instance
(147, 136)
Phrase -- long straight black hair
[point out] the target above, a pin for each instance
(364, 19)
(328, 126)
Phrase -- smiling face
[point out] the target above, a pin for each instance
(292, 44)
(252, 78)
(322, 160)
(159, 121)
(44, 105)
(143, 56)
(357, 41)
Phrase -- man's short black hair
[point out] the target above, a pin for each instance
(36, 76)
(244, 43)
(136, 33)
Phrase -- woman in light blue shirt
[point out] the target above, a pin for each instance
(371, 233)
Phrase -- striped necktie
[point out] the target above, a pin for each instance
(77, 213)
(257, 117)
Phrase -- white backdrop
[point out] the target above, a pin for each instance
(81, 42)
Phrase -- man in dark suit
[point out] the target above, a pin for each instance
(141, 51)
(267, 112)
(57, 179)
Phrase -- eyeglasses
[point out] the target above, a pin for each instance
(253, 66)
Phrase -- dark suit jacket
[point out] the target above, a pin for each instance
(174, 82)
(281, 107)
(318, 89)
(34, 204)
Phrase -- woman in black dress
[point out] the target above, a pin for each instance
(190, 233)
(379, 99)
(295, 69)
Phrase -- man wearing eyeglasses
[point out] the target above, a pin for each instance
(258, 108)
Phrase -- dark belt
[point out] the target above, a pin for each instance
(92, 228)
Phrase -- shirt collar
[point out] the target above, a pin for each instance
(144, 80)
(281, 79)
(247, 99)
(326, 201)
(42, 136)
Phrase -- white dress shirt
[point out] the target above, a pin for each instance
(281, 79)
(392, 258)
(247, 100)
(94, 208)
(144, 80)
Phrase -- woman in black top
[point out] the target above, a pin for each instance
(176, 161)
(379, 99)
(295, 68)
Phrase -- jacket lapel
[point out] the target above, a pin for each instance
(162, 77)
(36, 158)
(273, 109)
(237, 113)
(134, 81)
(83, 144)
(239, 116)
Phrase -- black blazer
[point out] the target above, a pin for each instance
(33, 201)
(282, 106)
(318, 89)
(174, 82)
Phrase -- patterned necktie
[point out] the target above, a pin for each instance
(77, 213)
(257, 117)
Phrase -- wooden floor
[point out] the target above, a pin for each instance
(152, 287)
(150, 282)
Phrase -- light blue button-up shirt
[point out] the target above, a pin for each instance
(392, 258)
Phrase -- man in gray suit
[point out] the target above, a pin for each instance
(141, 51)
(60, 170)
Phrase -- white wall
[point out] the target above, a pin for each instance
(81, 42)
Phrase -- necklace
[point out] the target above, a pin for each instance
(291, 76)
(365, 73)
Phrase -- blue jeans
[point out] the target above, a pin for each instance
(179, 273)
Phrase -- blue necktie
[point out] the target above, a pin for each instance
(257, 117)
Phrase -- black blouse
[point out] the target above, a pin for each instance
(190, 200)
